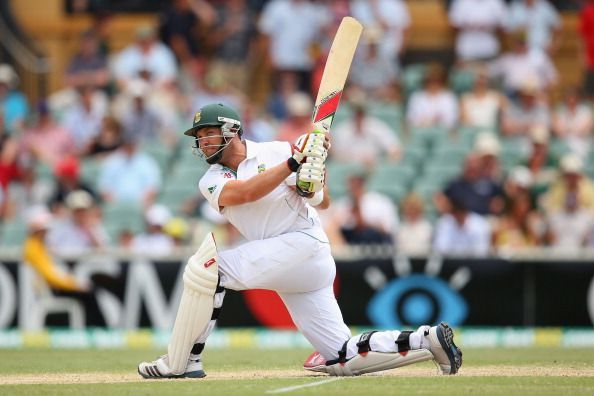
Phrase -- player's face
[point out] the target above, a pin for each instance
(210, 140)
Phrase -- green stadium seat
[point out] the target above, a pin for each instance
(338, 174)
(461, 80)
(13, 233)
(123, 215)
(412, 77)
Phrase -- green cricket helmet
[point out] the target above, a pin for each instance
(217, 115)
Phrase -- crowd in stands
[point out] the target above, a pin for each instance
(479, 156)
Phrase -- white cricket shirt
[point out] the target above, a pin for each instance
(278, 212)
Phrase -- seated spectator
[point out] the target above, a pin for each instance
(434, 105)
(129, 175)
(89, 65)
(524, 113)
(571, 184)
(256, 126)
(9, 169)
(488, 149)
(372, 138)
(215, 88)
(365, 216)
(154, 241)
(573, 121)
(80, 232)
(67, 173)
(278, 101)
(478, 24)
(372, 73)
(46, 141)
(482, 195)
(482, 106)
(462, 232)
(520, 225)
(414, 233)
(177, 228)
(570, 227)
(83, 119)
(520, 64)
(299, 107)
(147, 58)
(13, 104)
(540, 20)
(541, 162)
(140, 119)
(107, 140)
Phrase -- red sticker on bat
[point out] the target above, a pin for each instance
(328, 106)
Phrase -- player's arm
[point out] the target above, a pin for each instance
(321, 199)
(239, 192)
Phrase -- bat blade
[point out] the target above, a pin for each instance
(335, 73)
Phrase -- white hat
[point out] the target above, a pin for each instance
(8, 75)
(487, 144)
(571, 163)
(522, 176)
(38, 218)
(157, 215)
(79, 199)
(539, 134)
(299, 104)
(137, 88)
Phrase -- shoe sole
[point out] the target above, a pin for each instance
(445, 335)
(191, 374)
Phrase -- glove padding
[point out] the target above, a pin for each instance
(313, 145)
(310, 176)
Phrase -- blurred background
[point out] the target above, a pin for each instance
(461, 165)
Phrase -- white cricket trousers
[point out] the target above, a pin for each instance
(301, 270)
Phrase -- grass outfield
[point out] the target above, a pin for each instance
(542, 371)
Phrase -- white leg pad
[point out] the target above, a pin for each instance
(371, 362)
(201, 276)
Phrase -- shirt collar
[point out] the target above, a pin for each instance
(252, 149)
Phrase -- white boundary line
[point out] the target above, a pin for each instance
(296, 387)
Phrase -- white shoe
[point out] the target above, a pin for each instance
(160, 369)
(445, 353)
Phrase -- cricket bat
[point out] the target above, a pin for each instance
(334, 77)
(336, 72)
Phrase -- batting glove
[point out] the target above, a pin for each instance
(310, 145)
(310, 177)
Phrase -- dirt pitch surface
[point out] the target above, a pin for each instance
(105, 378)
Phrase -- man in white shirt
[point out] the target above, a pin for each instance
(539, 19)
(257, 187)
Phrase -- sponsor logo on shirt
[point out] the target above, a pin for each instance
(212, 188)
(228, 175)
(261, 168)
(209, 262)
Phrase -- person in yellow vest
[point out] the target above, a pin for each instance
(36, 254)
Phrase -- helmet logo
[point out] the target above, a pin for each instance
(197, 117)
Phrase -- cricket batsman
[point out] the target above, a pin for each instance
(270, 192)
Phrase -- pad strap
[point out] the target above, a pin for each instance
(403, 341)
(341, 355)
(363, 343)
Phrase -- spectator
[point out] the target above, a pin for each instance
(89, 66)
(481, 195)
(183, 28)
(215, 88)
(393, 20)
(482, 106)
(525, 113)
(256, 127)
(147, 58)
(9, 170)
(140, 120)
(13, 104)
(374, 75)
(540, 20)
(82, 231)
(462, 232)
(477, 24)
(570, 227)
(520, 225)
(573, 121)
(365, 216)
(586, 30)
(154, 241)
(488, 148)
(372, 137)
(299, 107)
(177, 228)
(414, 233)
(434, 105)
(129, 175)
(289, 29)
(571, 185)
(46, 141)
(67, 180)
(541, 163)
(232, 40)
(521, 64)
(83, 120)
(286, 85)
(107, 140)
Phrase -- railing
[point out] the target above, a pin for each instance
(30, 64)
